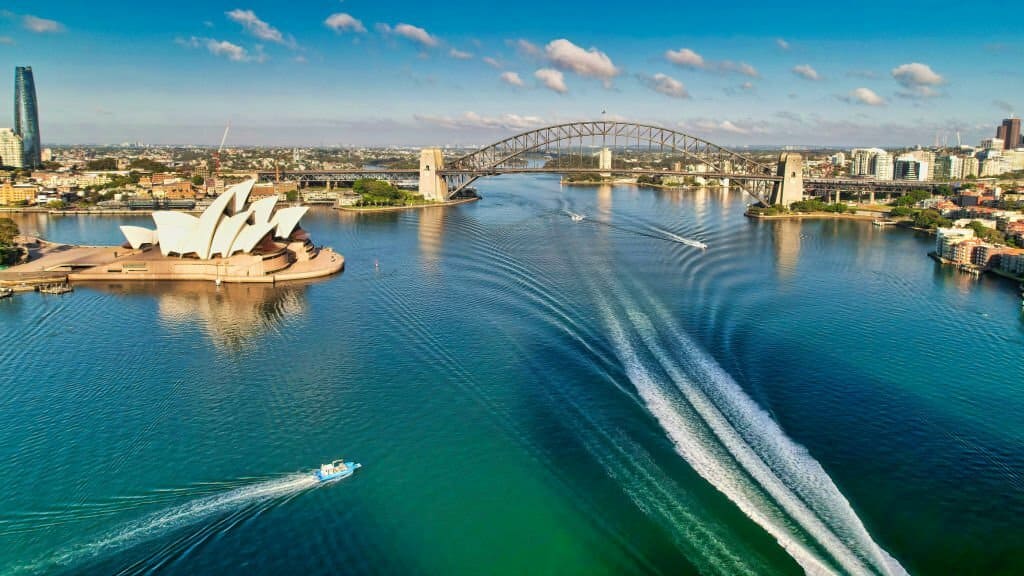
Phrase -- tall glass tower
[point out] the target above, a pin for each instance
(26, 115)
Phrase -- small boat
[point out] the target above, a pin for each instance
(6, 293)
(56, 289)
(336, 470)
(576, 217)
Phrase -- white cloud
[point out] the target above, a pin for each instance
(593, 63)
(686, 58)
(806, 72)
(342, 22)
(728, 126)
(864, 96)
(232, 52)
(511, 78)
(474, 120)
(258, 28)
(781, 43)
(459, 54)
(525, 48)
(7, 40)
(300, 59)
(40, 25)
(493, 62)
(709, 125)
(747, 86)
(552, 79)
(738, 67)
(667, 85)
(416, 34)
(918, 79)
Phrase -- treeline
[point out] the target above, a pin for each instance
(383, 193)
(9, 253)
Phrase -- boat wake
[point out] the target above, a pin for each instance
(254, 499)
(734, 444)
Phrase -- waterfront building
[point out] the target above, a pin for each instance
(229, 225)
(947, 238)
(1012, 261)
(11, 194)
(26, 115)
(12, 153)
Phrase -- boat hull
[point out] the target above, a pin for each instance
(350, 469)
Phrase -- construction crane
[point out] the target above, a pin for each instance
(216, 155)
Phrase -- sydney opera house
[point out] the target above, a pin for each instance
(231, 241)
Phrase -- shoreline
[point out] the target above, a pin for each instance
(814, 215)
(372, 209)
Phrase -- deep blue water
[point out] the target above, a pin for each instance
(527, 394)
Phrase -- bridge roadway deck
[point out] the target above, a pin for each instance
(349, 175)
(826, 183)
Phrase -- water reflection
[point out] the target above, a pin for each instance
(430, 231)
(233, 316)
(787, 235)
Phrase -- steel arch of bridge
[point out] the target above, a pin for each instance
(492, 159)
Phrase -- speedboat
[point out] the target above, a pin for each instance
(336, 470)
(576, 217)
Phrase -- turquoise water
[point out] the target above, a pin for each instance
(527, 394)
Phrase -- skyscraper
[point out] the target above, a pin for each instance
(26, 115)
(1009, 131)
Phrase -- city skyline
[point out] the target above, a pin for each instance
(354, 73)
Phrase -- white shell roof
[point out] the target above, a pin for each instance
(226, 227)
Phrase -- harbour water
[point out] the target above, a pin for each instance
(527, 394)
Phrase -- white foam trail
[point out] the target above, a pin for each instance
(680, 239)
(789, 462)
(781, 468)
(165, 521)
(689, 440)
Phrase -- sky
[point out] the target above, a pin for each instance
(374, 72)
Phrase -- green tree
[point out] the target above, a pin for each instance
(56, 205)
(198, 180)
(147, 164)
(291, 195)
(930, 219)
(102, 164)
(8, 230)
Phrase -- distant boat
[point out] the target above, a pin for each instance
(56, 289)
(6, 292)
(576, 217)
(336, 470)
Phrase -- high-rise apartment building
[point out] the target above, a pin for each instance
(26, 116)
(881, 166)
(1009, 132)
(11, 152)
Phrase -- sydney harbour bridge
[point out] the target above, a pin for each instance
(641, 149)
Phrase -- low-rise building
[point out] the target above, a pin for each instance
(11, 194)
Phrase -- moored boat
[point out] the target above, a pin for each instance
(336, 470)
(6, 292)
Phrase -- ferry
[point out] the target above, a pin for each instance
(336, 470)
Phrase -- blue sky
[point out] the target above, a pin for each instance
(364, 72)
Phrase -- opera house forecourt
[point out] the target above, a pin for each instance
(231, 241)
